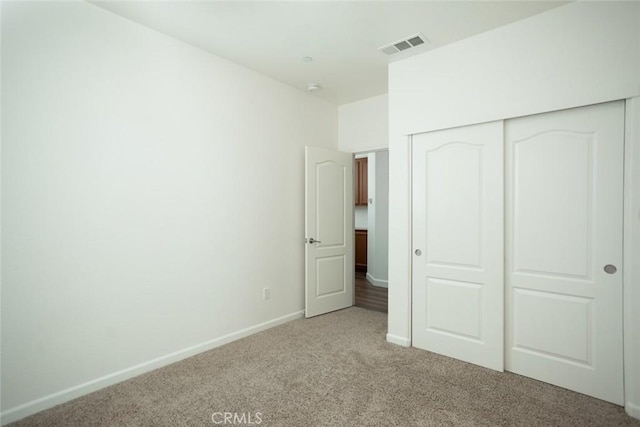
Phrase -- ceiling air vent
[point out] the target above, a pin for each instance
(404, 44)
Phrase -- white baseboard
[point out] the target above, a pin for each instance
(377, 282)
(632, 410)
(394, 339)
(30, 408)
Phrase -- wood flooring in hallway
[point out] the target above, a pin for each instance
(369, 296)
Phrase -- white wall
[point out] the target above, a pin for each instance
(371, 211)
(363, 125)
(577, 54)
(132, 169)
(361, 218)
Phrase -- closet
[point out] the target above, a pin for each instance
(517, 240)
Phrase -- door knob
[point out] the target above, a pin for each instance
(418, 252)
(312, 240)
(611, 269)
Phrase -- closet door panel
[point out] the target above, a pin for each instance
(458, 245)
(564, 227)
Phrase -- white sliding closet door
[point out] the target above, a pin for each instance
(458, 243)
(564, 193)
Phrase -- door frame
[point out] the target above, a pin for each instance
(631, 252)
(400, 268)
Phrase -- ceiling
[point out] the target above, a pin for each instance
(342, 37)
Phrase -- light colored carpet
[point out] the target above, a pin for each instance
(332, 370)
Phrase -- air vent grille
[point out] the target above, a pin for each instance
(416, 41)
(404, 44)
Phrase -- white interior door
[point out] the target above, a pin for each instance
(564, 226)
(329, 231)
(458, 243)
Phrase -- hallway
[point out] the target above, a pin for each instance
(369, 296)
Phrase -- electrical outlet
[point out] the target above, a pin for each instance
(266, 293)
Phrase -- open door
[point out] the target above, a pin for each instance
(328, 231)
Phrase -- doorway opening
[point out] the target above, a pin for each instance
(371, 227)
